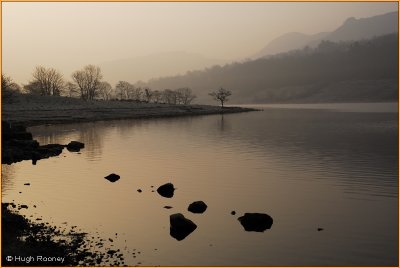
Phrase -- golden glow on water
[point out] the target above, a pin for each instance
(267, 162)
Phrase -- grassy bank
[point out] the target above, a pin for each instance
(36, 110)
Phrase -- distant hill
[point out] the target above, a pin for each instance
(365, 70)
(289, 41)
(351, 30)
(154, 65)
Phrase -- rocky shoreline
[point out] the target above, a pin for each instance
(27, 243)
(18, 145)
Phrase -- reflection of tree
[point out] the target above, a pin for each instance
(92, 136)
(7, 175)
(222, 123)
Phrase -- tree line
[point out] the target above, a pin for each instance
(87, 84)
(296, 74)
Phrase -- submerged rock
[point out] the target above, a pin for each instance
(180, 227)
(167, 207)
(166, 190)
(233, 212)
(197, 207)
(112, 177)
(256, 222)
(75, 146)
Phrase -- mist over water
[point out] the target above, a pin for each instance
(331, 166)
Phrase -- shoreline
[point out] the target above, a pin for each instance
(29, 243)
(30, 110)
(25, 238)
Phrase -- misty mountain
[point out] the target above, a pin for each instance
(365, 70)
(289, 41)
(154, 65)
(352, 29)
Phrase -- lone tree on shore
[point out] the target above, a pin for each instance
(221, 95)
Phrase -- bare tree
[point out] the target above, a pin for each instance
(185, 95)
(8, 87)
(135, 93)
(148, 94)
(105, 90)
(33, 87)
(88, 81)
(71, 90)
(221, 95)
(46, 81)
(157, 96)
(124, 90)
(8, 84)
(169, 96)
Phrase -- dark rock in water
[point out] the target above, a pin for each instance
(49, 150)
(75, 146)
(167, 207)
(112, 177)
(166, 190)
(139, 190)
(180, 227)
(320, 229)
(27, 184)
(233, 212)
(256, 222)
(24, 206)
(18, 145)
(197, 207)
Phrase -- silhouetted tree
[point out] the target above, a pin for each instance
(221, 95)
(135, 93)
(169, 96)
(185, 95)
(46, 82)
(124, 90)
(33, 88)
(88, 81)
(8, 87)
(157, 96)
(105, 90)
(71, 90)
(8, 84)
(147, 95)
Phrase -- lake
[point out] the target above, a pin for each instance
(328, 166)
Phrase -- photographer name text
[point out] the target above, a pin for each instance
(30, 259)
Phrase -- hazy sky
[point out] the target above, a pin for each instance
(67, 36)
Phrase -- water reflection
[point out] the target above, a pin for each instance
(7, 175)
(309, 169)
(91, 134)
(354, 149)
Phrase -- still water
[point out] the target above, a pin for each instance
(331, 166)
